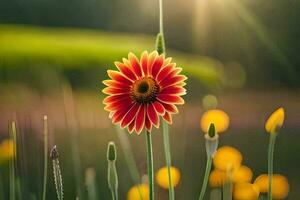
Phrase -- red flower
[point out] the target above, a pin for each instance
(142, 90)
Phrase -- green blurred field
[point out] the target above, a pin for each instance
(38, 64)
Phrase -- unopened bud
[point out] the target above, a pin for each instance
(111, 151)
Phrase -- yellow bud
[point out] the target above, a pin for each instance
(245, 191)
(242, 175)
(226, 157)
(7, 150)
(275, 121)
(133, 193)
(217, 178)
(280, 188)
(218, 117)
(162, 177)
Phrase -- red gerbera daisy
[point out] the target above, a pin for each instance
(142, 90)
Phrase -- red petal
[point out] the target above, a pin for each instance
(170, 99)
(135, 64)
(151, 113)
(114, 98)
(140, 119)
(172, 81)
(144, 62)
(118, 105)
(115, 91)
(168, 117)
(114, 84)
(159, 108)
(174, 72)
(131, 127)
(151, 59)
(126, 70)
(170, 108)
(157, 65)
(175, 90)
(119, 114)
(165, 72)
(130, 116)
(148, 124)
(117, 76)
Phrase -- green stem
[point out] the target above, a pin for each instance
(150, 165)
(206, 175)
(270, 162)
(161, 28)
(45, 156)
(168, 158)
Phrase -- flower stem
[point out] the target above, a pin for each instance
(161, 27)
(45, 156)
(206, 175)
(168, 158)
(150, 165)
(270, 163)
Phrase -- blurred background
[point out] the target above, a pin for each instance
(55, 53)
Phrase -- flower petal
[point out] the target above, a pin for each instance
(126, 70)
(130, 115)
(170, 108)
(168, 118)
(115, 91)
(170, 99)
(114, 98)
(152, 114)
(117, 105)
(117, 76)
(130, 128)
(140, 119)
(114, 84)
(144, 63)
(173, 81)
(148, 124)
(119, 114)
(164, 72)
(135, 64)
(173, 90)
(159, 108)
(157, 65)
(151, 59)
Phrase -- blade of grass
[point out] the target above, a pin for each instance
(45, 156)
(150, 165)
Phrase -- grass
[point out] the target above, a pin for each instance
(70, 51)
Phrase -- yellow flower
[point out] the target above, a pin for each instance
(280, 188)
(275, 121)
(242, 174)
(218, 117)
(162, 177)
(245, 191)
(6, 150)
(226, 157)
(217, 178)
(133, 193)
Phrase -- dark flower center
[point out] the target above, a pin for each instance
(144, 90)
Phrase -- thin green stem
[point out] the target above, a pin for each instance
(270, 162)
(161, 27)
(150, 165)
(168, 158)
(45, 156)
(206, 175)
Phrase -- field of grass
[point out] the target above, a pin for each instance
(82, 56)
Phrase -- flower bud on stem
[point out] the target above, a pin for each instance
(112, 176)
